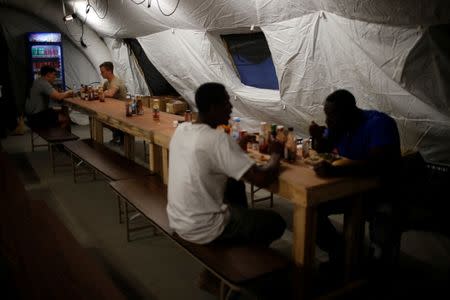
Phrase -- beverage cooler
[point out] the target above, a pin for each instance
(45, 48)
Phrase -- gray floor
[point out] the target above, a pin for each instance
(153, 267)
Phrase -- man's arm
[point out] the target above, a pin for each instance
(109, 93)
(381, 160)
(262, 176)
(321, 143)
(55, 95)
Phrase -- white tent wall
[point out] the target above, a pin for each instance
(331, 52)
(15, 24)
(314, 55)
(380, 50)
(126, 67)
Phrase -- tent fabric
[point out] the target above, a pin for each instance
(314, 55)
(392, 54)
(157, 84)
(125, 67)
(127, 19)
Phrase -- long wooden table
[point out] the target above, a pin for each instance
(297, 182)
(112, 113)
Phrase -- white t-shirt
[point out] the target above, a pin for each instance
(200, 161)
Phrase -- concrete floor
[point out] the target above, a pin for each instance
(155, 268)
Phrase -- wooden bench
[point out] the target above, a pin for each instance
(101, 159)
(234, 265)
(45, 260)
(53, 136)
(104, 160)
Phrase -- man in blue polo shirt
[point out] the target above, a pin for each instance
(370, 140)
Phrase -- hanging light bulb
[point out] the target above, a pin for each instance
(70, 17)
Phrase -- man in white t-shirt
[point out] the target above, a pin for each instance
(206, 197)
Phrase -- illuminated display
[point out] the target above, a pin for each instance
(44, 37)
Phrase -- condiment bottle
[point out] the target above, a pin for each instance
(290, 148)
(236, 128)
(155, 112)
(101, 95)
(188, 116)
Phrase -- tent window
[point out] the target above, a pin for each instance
(252, 59)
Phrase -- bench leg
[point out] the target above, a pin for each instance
(52, 156)
(75, 165)
(271, 200)
(119, 202)
(254, 190)
(146, 154)
(32, 140)
(74, 173)
(224, 289)
(252, 195)
(227, 291)
(127, 222)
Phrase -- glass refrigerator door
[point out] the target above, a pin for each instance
(47, 55)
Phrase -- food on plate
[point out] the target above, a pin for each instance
(341, 162)
(314, 158)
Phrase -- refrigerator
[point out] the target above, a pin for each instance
(45, 48)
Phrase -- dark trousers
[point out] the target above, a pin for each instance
(381, 211)
(118, 136)
(249, 226)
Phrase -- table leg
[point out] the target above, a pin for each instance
(92, 126)
(155, 158)
(165, 165)
(305, 219)
(354, 224)
(304, 239)
(128, 145)
(98, 131)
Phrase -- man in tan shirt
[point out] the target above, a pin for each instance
(114, 87)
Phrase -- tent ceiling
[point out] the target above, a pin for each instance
(126, 19)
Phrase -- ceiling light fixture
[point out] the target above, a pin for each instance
(70, 17)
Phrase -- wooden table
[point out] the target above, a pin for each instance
(156, 133)
(297, 182)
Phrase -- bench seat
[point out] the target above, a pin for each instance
(104, 160)
(233, 264)
(53, 136)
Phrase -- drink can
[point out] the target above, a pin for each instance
(306, 144)
(242, 134)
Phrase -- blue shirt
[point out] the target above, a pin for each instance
(376, 130)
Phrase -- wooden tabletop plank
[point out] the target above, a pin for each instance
(112, 112)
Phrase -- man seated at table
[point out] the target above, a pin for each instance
(37, 105)
(370, 141)
(206, 197)
(113, 87)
